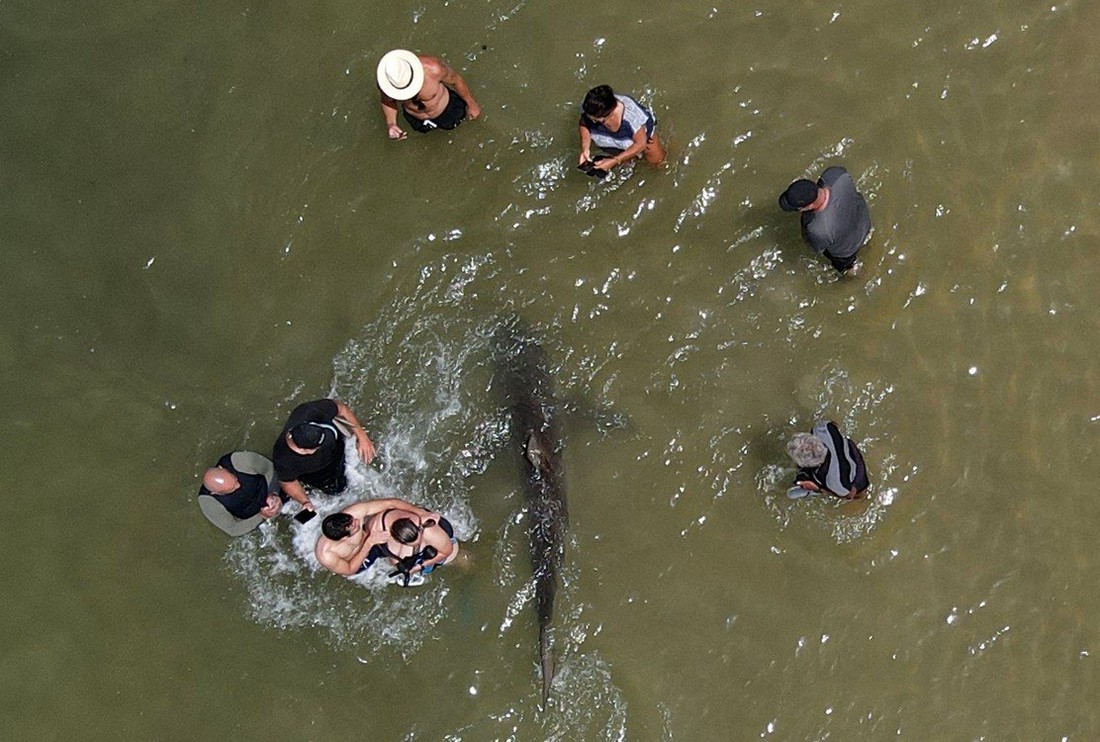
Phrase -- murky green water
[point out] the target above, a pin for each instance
(205, 225)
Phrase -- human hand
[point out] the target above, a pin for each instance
(586, 156)
(396, 132)
(366, 448)
(604, 164)
(473, 110)
(272, 507)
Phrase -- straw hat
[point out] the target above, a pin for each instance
(400, 74)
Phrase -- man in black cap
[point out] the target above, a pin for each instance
(310, 450)
(835, 219)
(240, 492)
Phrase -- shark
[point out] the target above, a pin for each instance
(523, 374)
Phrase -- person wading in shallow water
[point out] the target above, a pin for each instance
(619, 125)
(834, 216)
(828, 463)
(240, 492)
(310, 450)
(398, 531)
(431, 94)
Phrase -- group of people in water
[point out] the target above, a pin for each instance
(834, 216)
(245, 488)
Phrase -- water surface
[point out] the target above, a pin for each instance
(206, 225)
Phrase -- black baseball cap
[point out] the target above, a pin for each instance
(308, 435)
(798, 195)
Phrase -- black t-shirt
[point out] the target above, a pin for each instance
(245, 501)
(841, 227)
(323, 464)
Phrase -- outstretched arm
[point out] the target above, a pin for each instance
(362, 442)
(370, 507)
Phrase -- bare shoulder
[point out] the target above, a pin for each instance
(361, 509)
(434, 66)
(387, 502)
(438, 538)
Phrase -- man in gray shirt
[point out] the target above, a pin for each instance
(835, 219)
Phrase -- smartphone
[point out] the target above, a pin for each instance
(305, 516)
(592, 168)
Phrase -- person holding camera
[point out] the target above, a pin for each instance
(413, 539)
(419, 542)
(619, 125)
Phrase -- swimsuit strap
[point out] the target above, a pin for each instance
(384, 514)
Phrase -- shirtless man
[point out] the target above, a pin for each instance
(359, 534)
(431, 94)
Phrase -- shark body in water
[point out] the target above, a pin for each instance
(533, 410)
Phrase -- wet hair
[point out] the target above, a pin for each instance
(405, 531)
(337, 526)
(599, 102)
(807, 450)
